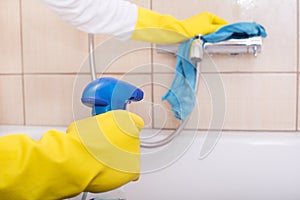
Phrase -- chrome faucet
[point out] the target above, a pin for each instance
(231, 47)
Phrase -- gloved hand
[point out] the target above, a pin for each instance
(163, 29)
(97, 154)
(112, 139)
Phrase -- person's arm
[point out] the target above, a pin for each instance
(127, 21)
(96, 154)
(114, 17)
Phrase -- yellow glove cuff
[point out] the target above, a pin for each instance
(163, 29)
(160, 29)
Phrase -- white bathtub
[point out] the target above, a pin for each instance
(242, 166)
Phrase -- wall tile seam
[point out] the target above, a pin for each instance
(22, 60)
(233, 130)
(137, 73)
(11, 74)
(254, 72)
(298, 67)
(85, 73)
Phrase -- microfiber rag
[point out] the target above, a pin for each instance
(181, 95)
(240, 30)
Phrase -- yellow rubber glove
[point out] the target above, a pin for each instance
(97, 154)
(163, 29)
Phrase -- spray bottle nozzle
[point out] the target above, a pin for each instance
(107, 94)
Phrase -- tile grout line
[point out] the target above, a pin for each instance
(297, 76)
(22, 61)
(152, 88)
(234, 130)
(152, 79)
(142, 73)
(240, 72)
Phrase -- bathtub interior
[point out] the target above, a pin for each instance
(242, 165)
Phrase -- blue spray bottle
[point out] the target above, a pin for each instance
(105, 94)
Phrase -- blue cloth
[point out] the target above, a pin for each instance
(181, 95)
(240, 30)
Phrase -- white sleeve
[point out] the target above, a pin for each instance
(115, 17)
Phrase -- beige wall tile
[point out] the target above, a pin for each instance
(48, 99)
(114, 56)
(163, 62)
(264, 101)
(251, 102)
(49, 44)
(10, 42)
(11, 100)
(142, 3)
(278, 54)
(258, 101)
